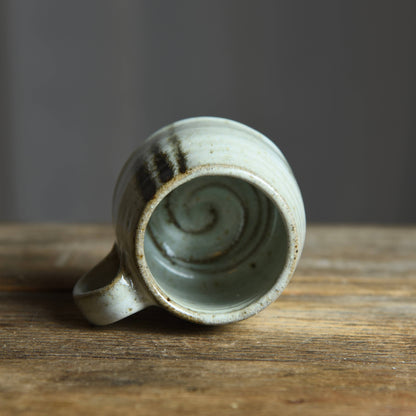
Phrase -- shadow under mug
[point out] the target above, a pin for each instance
(209, 222)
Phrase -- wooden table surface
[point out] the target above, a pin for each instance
(340, 340)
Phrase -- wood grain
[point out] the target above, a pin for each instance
(340, 340)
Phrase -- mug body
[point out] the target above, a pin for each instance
(209, 220)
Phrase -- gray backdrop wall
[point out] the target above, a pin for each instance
(331, 82)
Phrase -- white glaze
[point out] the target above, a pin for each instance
(212, 147)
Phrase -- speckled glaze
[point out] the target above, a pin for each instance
(209, 224)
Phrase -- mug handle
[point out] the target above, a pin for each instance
(105, 294)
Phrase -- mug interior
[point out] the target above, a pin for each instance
(216, 243)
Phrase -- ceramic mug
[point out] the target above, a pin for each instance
(209, 224)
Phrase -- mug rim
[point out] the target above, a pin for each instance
(293, 248)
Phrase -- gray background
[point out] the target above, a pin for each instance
(331, 82)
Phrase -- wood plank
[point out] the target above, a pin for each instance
(49, 257)
(340, 340)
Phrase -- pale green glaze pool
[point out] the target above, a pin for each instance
(216, 242)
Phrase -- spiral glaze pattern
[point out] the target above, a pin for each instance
(211, 226)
